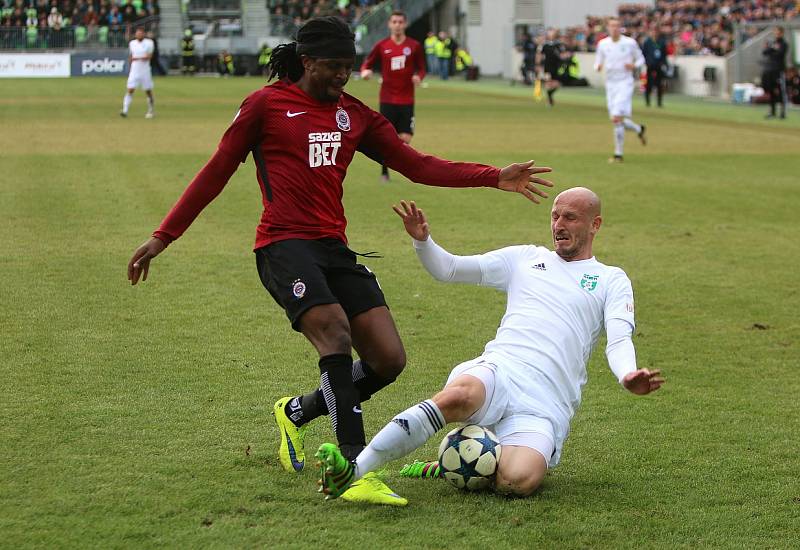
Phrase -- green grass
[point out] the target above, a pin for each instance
(138, 417)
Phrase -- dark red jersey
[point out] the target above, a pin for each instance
(399, 62)
(302, 148)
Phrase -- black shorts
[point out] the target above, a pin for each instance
(301, 274)
(401, 117)
(770, 81)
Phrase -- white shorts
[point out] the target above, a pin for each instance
(619, 97)
(140, 79)
(512, 427)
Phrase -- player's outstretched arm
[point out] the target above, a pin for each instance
(140, 261)
(523, 178)
(441, 264)
(643, 381)
(414, 220)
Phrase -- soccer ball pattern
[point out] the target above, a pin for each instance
(468, 457)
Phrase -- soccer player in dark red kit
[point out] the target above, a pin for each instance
(402, 61)
(303, 132)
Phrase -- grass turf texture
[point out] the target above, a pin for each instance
(139, 416)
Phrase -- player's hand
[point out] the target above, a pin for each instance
(366, 74)
(140, 262)
(416, 80)
(630, 66)
(522, 178)
(414, 220)
(643, 381)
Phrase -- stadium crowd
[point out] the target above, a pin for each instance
(63, 23)
(692, 27)
(300, 11)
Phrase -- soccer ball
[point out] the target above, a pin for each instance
(468, 457)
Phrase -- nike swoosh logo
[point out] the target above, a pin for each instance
(357, 409)
(296, 464)
(292, 115)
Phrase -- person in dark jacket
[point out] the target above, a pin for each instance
(773, 79)
(655, 56)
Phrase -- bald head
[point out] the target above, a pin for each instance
(574, 222)
(581, 197)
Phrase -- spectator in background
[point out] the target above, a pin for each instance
(444, 53)
(188, 59)
(655, 56)
(225, 64)
(264, 55)
(528, 49)
(90, 18)
(773, 79)
(155, 61)
(430, 51)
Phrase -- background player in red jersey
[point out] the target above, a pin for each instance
(402, 62)
(303, 131)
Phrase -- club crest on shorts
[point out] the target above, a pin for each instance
(299, 289)
(589, 282)
(406, 51)
(343, 120)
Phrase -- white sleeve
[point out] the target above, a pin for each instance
(599, 57)
(619, 298)
(619, 351)
(491, 269)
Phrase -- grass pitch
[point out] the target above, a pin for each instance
(138, 417)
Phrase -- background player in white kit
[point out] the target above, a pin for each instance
(620, 55)
(527, 383)
(140, 51)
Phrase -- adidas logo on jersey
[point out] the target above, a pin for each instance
(323, 148)
(540, 267)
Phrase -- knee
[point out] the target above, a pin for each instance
(329, 332)
(393, 364)
(456, 402)
(516, 483)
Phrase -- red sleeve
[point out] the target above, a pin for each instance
(419, 58)
(372, 58)
(239, 139)
(206, 185)
(380, 142)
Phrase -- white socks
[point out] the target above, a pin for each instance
(126, 103)
(619, 139)
(631, 125)
(149, 104)
(407, 431)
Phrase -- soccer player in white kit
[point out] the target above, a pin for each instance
(140, 51)
(620, 55)
(526, 386)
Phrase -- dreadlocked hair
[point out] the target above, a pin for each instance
(285, 63)
(315, 35)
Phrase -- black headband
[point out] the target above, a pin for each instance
(338, 47)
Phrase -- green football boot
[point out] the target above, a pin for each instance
(291, 451)
(421, 470)
(336, 472)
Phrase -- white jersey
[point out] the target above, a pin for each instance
(613, 56)
(138, 49)
(554, 315)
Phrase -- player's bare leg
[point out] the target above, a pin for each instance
(520, 471)
(126, 102)
(150, 104)
(380, 349)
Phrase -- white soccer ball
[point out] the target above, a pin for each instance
(468, 457)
